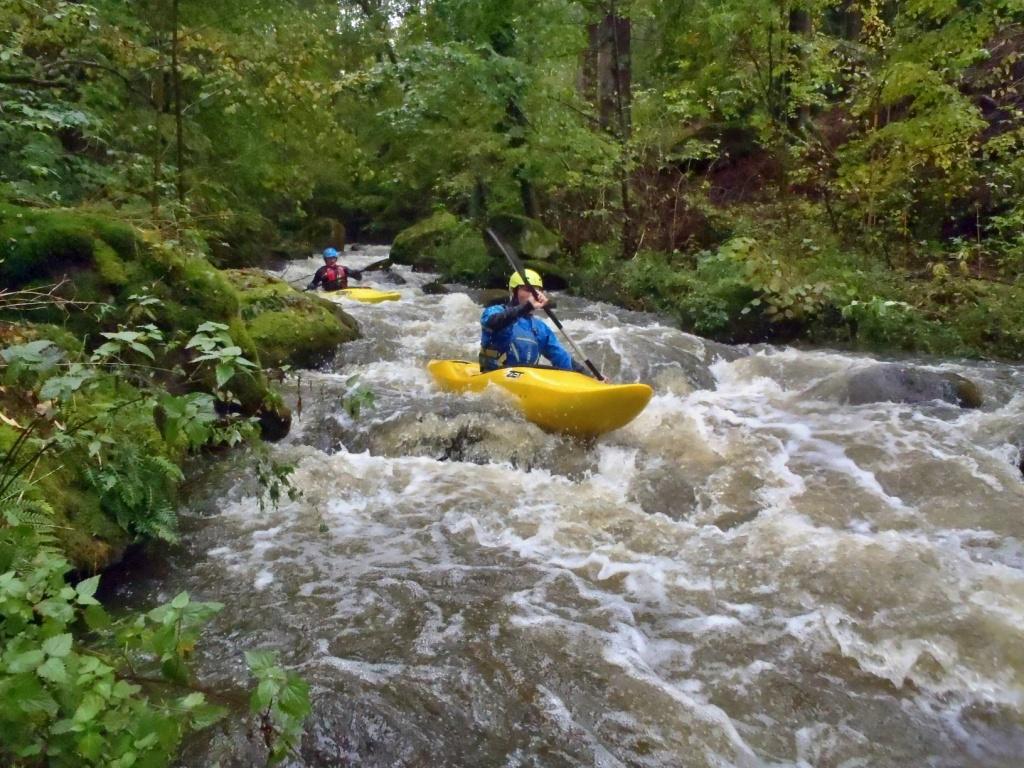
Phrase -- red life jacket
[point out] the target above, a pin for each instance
(335, 278)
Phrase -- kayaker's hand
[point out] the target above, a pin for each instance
(539, 301)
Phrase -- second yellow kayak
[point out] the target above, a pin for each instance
(559, 401)
(365, 295)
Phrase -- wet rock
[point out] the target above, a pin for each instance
(469, 437)
(529, 237)
(389, 277)
(902, 384)
(661, 489)
(490, 297)
(275, 423)
(435, 288)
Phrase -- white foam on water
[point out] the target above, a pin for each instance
(841, 567)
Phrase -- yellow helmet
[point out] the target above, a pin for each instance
(516, 280)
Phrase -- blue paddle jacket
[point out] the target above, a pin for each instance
(512, 336)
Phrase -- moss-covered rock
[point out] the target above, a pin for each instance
(246, 239)
(104, 262)
(415, 246)
(288, 326)
(529, 237)
(448, 245)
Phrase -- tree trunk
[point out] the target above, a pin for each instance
(158, 98)
(515, 124)
(800, 32)
(607, 71)
(179, 123)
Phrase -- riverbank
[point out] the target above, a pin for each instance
(769, 281)
(124, 352)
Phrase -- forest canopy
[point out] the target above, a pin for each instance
(824, 146)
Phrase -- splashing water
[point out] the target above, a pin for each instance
(751, 573)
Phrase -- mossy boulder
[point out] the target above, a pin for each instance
(288, 326)
(106, 261)
(323, 232)
(415, 246)
(529, 237)
(450, 246)
(245, 239)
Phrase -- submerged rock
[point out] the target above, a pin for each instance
(386, 275)
(490, 296)
(435, 288)
(470, 437)
(903, 384)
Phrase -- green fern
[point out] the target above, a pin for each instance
(22, 507)
(136, 488)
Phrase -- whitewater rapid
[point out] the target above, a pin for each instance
(752, 573)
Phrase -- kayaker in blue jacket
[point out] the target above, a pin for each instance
(512, 336)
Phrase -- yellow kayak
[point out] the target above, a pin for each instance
(365, 295)
(559, 401)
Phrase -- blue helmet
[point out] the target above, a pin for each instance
(331, 253)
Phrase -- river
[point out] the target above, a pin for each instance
(752, 573)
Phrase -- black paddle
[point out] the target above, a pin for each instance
(517, 265)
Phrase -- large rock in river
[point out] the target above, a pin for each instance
(446, 244)
(286, 325)
(903, 384)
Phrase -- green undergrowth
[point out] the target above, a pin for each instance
(771, 283)
(122, 355)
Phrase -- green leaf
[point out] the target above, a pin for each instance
(59, 646)
(56, 609)
(28, 694)
(123, 689)
(96, 618)
(210, 327)
(140, 347)
(180, 600)
(263, 696)
(224, 373)
(206, 715)
(91, 706)
(193, 700)
(32, 750)
(294, 697)
(26, 662)
(64, 726)
(145, 742)
(260, 662)
(61, 387)
(174, 669)
(86, 589)
(91, 746)
(53, 669)
(164, 641)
